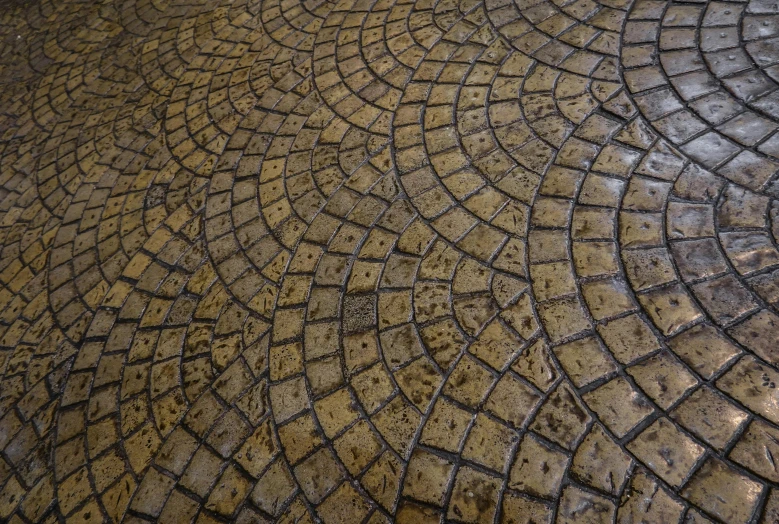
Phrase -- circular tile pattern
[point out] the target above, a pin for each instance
(386, 261)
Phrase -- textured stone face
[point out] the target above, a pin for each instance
(389, 261)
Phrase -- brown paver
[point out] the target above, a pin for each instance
(389, 261)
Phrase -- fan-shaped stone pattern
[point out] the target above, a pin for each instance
(389, 261)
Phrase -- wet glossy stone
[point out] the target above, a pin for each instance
(470, 261)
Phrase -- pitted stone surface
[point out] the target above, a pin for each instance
(389, 261)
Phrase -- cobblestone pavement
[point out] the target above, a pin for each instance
(389, 261)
